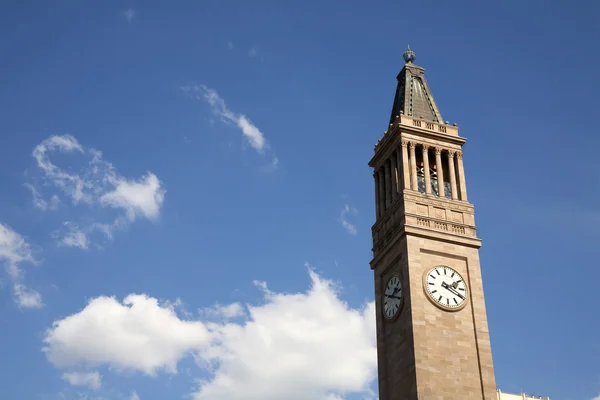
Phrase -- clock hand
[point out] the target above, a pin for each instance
(393, 297)
(452, 290)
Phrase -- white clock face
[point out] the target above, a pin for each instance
(446, 287)
(392, 296)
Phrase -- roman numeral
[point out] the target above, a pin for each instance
(431, 283)
(440, 299)
(455, 302)
(461, 289)
(433, 291)
(448, 301)
(431, 276)
(444, 271)
(452, 276)
(438, 272)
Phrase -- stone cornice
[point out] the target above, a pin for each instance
(418, 197)
(411, 133)
(428, 233)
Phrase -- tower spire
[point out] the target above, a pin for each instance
(413, 96)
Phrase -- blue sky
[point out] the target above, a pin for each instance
(186, 183)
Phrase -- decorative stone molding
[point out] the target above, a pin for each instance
(419, 198)
(438, 151)
(441, 226)
(459, 154)
(404, 143)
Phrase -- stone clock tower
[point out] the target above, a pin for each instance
(432, 332)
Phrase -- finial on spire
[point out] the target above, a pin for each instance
(409, 56)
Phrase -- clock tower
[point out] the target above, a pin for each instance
(432, 332)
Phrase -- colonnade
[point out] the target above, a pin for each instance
(399, 171)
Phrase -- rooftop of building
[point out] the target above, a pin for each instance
(523, 396)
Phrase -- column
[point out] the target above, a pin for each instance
(376, 179)
(388, 183)
(405, 167)
(461, 176)
(381, 185)
(426, 169)
(394, 161)
(452, 173)
(413, 167)
(399, 170)
(440, 172)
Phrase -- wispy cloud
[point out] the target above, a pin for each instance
(252, 52)
(26, 297)
(344, 214)
(129, 14)
(230, 45)
(39, 202)
(14, 250)
(74, 236)
(272, 166)
(89, 379)
(96, 184)
(251, 132)
(232, 310)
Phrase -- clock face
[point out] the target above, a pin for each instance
(392, 297)
(446, 287)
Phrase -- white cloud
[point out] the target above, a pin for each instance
(134, 396)
(138, 198)
(295, 346)
(26, 297)
(254, 136)
(96, 183)
(137, 334)
(89, 379)
(597, 397)
(349, 227)
(129, 14)
(73, 238)
(14, 250)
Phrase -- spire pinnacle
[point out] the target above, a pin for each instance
(409, 56)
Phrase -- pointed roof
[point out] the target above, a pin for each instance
(413, 97)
